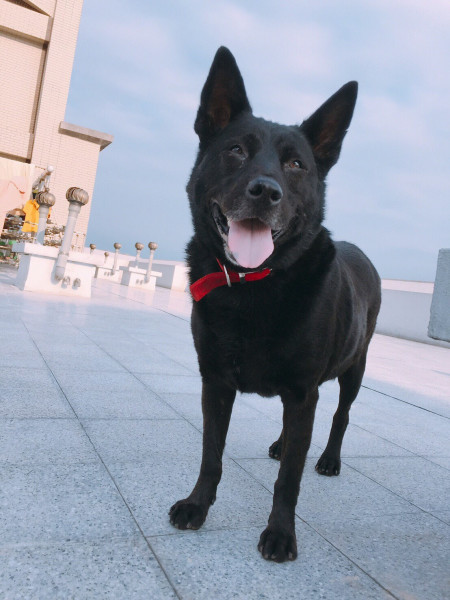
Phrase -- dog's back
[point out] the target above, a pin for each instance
(364, 278)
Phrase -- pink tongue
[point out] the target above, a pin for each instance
(250, 241)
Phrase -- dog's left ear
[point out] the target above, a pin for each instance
(223, 96)
(326, 128)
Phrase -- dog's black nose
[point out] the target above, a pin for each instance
(264, 188)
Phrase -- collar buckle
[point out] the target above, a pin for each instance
(226, 275)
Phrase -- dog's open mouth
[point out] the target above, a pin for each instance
(250, 241)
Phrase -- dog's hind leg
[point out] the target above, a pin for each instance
(275, 448)
(350, 382)
(217, 404)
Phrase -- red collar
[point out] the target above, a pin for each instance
(209, 282)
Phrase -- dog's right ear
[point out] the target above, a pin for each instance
(223, 96)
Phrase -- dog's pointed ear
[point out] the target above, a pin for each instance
(223, 96)
(326, 128)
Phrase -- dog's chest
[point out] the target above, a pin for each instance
(255, 367)
(248, 346)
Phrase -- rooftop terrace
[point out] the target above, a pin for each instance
(100, 432)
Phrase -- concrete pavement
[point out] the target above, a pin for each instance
(100, 432)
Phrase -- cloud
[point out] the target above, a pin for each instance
(395, 123)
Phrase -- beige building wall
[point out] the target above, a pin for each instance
(20, 84)
(79, 169)
(37, 48)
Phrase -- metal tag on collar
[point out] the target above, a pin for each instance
(242, 277)
(226, 275)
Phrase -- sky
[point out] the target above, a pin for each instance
(139, 69)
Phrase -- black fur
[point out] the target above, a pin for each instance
(310, 321)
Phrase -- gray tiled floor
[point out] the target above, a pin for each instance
(117, 568)
(100, 432)
(55, 503)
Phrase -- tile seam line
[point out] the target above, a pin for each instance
(377, 392)
(395, 457)
(422, 510)
(275, 420)
(391, 594)
(134, 375)
(136, 339)
(228, 454)
(186, 319)
(412, 454)
(439, 518)
(194, 373)
(382, 438)
(88, 542)
(405, 402)
(341, 552)
(189, 532)
(147, 542)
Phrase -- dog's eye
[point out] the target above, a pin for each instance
(236, 149)
(295, 164)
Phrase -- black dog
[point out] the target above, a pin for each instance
(279, 307)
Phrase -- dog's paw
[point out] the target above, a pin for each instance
(328, 465)
(275, 450)
(278, 545)
(187, 515)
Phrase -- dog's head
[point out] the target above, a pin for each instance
(257, 188)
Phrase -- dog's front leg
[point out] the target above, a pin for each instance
(217, 404)
(278, 541)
